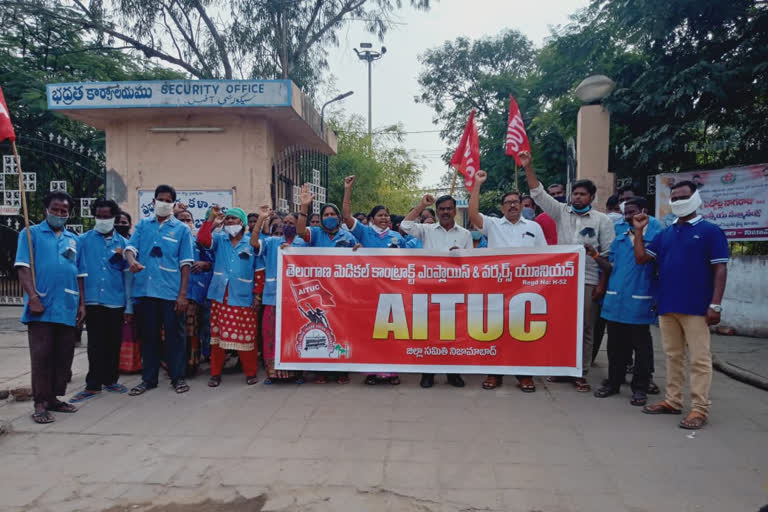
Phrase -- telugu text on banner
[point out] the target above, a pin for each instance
(504, 311)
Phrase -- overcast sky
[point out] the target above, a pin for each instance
(395, 75)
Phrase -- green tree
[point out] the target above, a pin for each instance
(227, 38)
(385, 171)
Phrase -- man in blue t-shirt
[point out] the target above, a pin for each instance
(691, 255)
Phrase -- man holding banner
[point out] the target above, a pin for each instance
(445, 235)
(512, 230)
(578, 223)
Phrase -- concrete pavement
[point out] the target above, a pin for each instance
(331, 447)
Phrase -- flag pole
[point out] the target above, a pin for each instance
(516, 187)
(26, 213)
(455, 174)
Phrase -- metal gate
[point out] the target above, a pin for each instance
(294, 166)
(49, 163)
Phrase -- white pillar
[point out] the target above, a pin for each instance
(593, 128)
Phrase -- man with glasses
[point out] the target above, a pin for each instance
(512, 230)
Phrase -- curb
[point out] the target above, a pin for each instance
(739, 374)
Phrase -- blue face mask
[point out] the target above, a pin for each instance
(55, 221)
(561, 199)
(581, 210)
(528, 213)
(330, 223)
(476, 235)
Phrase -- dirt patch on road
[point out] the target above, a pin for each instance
(237, 505)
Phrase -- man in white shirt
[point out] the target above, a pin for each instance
(445, 235)
(512, 230)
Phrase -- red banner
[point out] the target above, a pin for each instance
(467, 156)
(502, 311)
(517, 139)
(6, 128)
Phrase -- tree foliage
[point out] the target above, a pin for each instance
(224, 38)
(385, 172)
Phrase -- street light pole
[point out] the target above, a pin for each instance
(332, 100)
(368, 54)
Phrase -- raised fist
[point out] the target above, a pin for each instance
(525, 158)
(428, 200)
(640, 220)
(481, 176)
(349, 181)
(265, 211)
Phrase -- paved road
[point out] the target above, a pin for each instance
(354, 448)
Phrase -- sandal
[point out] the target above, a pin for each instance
(526, 385)
(342, 379)
(83, 396)
(653, 389)
(371, 380)
(43, 417)
(606, 391)
(321, 379)
(582, 386)
(251, 380)
(139, 389)
(492, 382)
(116, 388)
(694, 421)
(660, 408)
(59, 406)
(180, 386)
(214, 381)
(395, 381)
(639, 399)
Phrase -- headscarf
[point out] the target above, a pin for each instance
(239, 213)
(335, 209)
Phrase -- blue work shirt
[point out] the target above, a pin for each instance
(163, 249)
(197, 289)
(55, 273)
(318, 237)
(233, 268)
(368, 236)
(630, 297)
(102, 266)
(685, 253)
(411, 242)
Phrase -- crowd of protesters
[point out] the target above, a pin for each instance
(185, 297)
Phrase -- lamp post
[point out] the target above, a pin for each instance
(368, 54)
(593, 135)
(332, 100)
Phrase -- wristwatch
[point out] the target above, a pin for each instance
(717, 308)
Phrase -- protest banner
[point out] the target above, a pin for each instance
(733, 198)
(499, 311)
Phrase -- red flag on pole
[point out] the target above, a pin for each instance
(6, 128)
(517, 139)
(466, 159)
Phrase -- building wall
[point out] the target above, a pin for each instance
(239, 158)
(746, 302)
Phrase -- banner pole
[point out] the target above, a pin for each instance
(455, 174)
(516, 187)
(26, 214)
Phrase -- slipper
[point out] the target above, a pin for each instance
(660, 408)
(251, 380)
(180, 386)
(116, 388)
(694, 421)
(342, 379)
(526, 385)
(43, 417)
(321, 379)
(653, 389)
(582, 386)
(139, 389)
(215, 380)
(83, 396)
(492, 382)
(639, 399)
(59, 406)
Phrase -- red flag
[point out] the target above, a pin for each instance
(6, 128)
(467, 155)
(310, 289)
(517, 140)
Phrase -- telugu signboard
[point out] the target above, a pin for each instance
(169, 93)
(733, 198)
(498, 311)
(197, 201)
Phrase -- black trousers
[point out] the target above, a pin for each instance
(51, 349)
(151, 315)
(623, 339)
(105, 334)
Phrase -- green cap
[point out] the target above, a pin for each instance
(239, 213)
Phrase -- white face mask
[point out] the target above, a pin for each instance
(163, 209)
(104, 226)
(616, 217)
(233, 230)
(685, 207)
(621, 206)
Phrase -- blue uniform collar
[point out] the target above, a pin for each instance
(172, 221)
